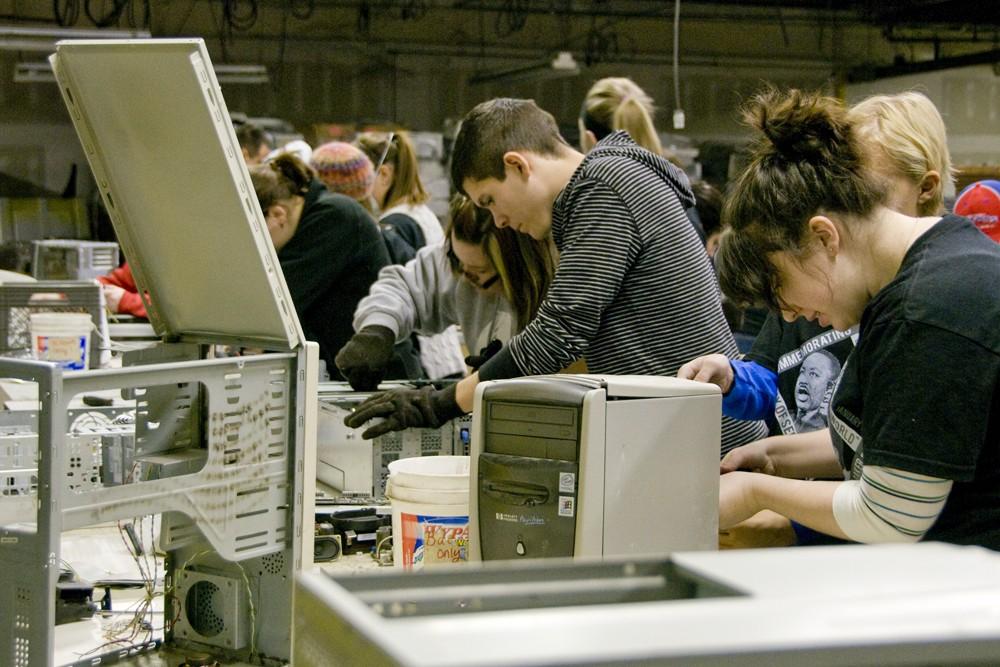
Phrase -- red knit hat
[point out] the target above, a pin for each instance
(980, 202)
(344, 168)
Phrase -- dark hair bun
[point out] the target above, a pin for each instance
(294, 170)
(800, 127)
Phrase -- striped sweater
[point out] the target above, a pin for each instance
(634, 292)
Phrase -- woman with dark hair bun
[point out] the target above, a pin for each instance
(329, 248)
(915, 417)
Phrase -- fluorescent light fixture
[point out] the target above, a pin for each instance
(241, 74)
(41, 72)
(44, 39)
(563, 65)
(33, 73)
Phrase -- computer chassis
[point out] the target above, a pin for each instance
(231, 531)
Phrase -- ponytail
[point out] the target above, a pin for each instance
(617, 103)
(395, 149)
(635, 119)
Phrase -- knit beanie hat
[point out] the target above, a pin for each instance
(980, 202)
(344, 168)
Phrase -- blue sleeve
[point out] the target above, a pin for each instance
(753, 393)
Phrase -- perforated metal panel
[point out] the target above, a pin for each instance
(22, 627)
(274, 563)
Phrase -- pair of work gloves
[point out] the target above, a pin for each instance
(363, 361)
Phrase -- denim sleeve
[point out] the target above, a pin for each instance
(753, 393)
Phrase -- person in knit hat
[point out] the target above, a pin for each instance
(345, 169)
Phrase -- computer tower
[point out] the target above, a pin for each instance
(589, 465)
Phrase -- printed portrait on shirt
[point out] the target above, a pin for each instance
(813, 388)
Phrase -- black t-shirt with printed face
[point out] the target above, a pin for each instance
(807, 358)
(921, 392)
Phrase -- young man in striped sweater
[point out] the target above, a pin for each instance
(634, 292)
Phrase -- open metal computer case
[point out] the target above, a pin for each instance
(222, 446)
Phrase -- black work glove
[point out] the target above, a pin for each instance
(364, 359)
(406, 408)
(474, 361)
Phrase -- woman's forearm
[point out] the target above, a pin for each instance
(804, 455)
(809, 503)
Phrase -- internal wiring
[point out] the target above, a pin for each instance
(139, 621)
(379, 546)
(89, 421)
(253, 610)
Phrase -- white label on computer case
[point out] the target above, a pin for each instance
(567, 482)
(567, 505)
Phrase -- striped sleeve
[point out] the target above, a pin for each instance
(889, 505)
(595, 259)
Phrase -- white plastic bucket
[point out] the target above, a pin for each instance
(63, 338)
(430, 510)
(431, 472)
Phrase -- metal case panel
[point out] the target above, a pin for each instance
(661, 473)
(158, 137)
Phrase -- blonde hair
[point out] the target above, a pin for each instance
(394, 148)
(617, 103)
(911, 134)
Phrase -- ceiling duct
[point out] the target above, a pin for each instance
(43, 40)
(41, 72)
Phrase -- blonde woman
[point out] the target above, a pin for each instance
(397, 189)
(617, 103)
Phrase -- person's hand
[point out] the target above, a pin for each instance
(713, 368)
(753, 456)
(405, 408)
(474, 361)
(736, 499)
(364, 359)
(763, 529)
(113, 296)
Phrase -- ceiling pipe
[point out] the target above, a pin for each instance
(864, 73)
(891, 35)
(531, 55)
